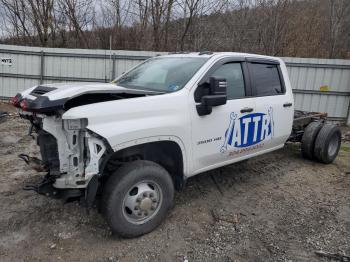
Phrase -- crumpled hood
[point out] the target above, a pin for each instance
(50, 97)
(70, 90)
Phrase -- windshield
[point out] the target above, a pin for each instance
(166, 74)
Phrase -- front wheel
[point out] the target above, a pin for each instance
(136, 198)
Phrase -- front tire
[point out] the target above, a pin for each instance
(137, 197)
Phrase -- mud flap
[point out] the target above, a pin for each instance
(91, 191)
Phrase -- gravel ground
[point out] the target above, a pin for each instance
(276, 207)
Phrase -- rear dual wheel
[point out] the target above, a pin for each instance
(327, 143)
(309, 138)
(321, 142)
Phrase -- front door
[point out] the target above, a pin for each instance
(224, 135)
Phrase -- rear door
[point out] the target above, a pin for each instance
(273, 102)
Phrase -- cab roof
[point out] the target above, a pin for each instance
(208, 54)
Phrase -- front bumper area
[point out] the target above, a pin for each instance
(71, 153)
(85, 196)
(79, 152)
(46, 188)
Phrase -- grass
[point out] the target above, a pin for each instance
(345, 149)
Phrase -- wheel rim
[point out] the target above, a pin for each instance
(142, 202)
(333, 145)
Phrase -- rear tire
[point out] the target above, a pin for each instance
(327, 143)
(136, 198)
(308, 139)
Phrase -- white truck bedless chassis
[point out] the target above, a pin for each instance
(135, 139)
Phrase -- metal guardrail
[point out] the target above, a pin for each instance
(132, 57)
(54, 54)
(53, 78)
(318, 92)
(313, 65)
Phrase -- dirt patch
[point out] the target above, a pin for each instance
(277, 207)
(6, 111)
(5, 106)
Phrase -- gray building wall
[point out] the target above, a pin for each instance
(320, 85)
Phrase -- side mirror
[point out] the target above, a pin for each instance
(215, 95)
(218, 86)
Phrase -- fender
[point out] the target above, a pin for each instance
(146, 140)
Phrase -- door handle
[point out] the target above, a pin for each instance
(287, 104)
(247, 110)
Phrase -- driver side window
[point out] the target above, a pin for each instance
(233, 74)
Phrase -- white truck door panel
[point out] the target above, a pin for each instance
(276, 118)
(227, 133)
(273, 101)
(218, 137)
(257, 117)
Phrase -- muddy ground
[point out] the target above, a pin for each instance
(276, 207)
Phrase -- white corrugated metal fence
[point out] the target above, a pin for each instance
(320, 85)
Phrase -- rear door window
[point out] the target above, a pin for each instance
(266, 79)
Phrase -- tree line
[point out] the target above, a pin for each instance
(303, 28)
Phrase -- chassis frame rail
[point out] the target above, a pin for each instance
(301, 120)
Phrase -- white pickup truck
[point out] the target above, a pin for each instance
(128, 144)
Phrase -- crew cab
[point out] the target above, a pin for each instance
(127, 145)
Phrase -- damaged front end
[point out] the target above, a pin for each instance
(70, 153)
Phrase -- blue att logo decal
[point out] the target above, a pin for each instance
(248, 130)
